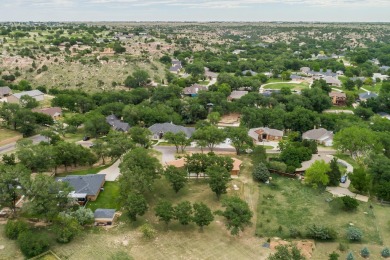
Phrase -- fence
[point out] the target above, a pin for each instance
(46, 253)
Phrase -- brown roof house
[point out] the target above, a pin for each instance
(54, 112)
(332, 81)
(193, 90)
(338, 98)
(265, 134)
(320, 135)
(5, 91)
(237, 94)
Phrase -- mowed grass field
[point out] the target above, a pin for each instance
(292, 86)
(289, 204)
(176, 241)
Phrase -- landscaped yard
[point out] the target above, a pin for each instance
(108, 198)
(288, 204)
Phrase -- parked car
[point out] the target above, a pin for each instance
(343, 179)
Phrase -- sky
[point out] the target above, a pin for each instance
(196, 10)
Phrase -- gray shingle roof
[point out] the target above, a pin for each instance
(117, 124)
(169, 127)
(89, 184)
(5, 91)
(253, 132)
(31, 93)
(104, 213)
(194, 89)
(317, 134)
(367, 95)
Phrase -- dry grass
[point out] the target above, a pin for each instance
(7, 133)
(10, 251)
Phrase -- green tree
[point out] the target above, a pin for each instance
(176, 177)
(239, 137)
(139, 78)
(214, 118)
(140, 136)
(261, 173)
(179, 139)
(316, 174)
(350, 256)
(32, 244)
(14, 228)
(357, 141)
(284, 253)
(349, 203)
(101, 149)
(51, 136)
(134, 205)
(183, 212)
(365, 252)
(96, 125)
(237, 214)
(360, 179)
(138, 171)
(349, 84)
(165, 211)
(84, 216)
(219, 178)
(118, 143)
(66, 228)
(210, 135)
(195, 69)
(14, 182)
(28, 102)
(334, 174)
(202, 215)
(334, 256)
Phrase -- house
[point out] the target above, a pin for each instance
(315, 157)
(237, 94)
(36, 94)
(176, 66)
(117, 124)
(265, 134)
(54, 112)
(193, 90)
(209, 74)
(332, 81)
(379, 76)
(305, 70)
(85, 187)
(158, 130)
(181, 163)
(104, 216)
(340, 73)
(320, 135)
(5, 92)
(367, 95)
(338, 98)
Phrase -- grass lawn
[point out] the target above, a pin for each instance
(289, 204)
(108, 198)
(7, 133)
(348, 159)
(72, 138)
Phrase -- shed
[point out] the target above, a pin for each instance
(104, 216)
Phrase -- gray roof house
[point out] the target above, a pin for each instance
(366, 95)
(36, 94)
(158, 130)
(86, 187)
(5, 91)
(104, 216)
(320, 135)
(237, 94)
(193, 90)
(251, 72)
(117, 124)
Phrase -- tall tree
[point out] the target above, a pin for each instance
(139, 78)
(237, 214)
(211, 135)
(164, 211)
(261, 173)
(135, 204)
(176, 176)
(360, 180)
(179, 139)
(334, 173)
(202, 215)
(183, 212)
(138, 171)
(239, 137)
(96, 125)
(219, 177)
(140, 136)
(316, 175)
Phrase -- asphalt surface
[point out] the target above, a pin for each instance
(12, 146)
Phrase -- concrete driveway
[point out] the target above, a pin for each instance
(112, 173)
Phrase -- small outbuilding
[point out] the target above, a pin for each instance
(104, 216)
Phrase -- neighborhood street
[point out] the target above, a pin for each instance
(12, 146)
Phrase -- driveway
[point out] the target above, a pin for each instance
(112, 173)
(167, 152)
(12, 146)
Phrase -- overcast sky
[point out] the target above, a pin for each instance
(196, 10)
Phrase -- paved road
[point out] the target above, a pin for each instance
(12, 146)
(112, 173)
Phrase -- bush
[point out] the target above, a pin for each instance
(321, 233)
(385, 252)
(66, 227)
(261, 173)
(342, 247)
(354, 234)
(148, 231)
(277, 166)
(365, 252)
(350, 256)
(84, 216)
(14, 228)
(349, 203)
(334, 256)
(32, 244)
(295, 233)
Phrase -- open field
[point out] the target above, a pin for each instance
(292, 86)
(289, 204)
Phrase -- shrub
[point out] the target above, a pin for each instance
(32, 244)
(148, 231)
(66, 227)
(277, 166)
(342, 247)
(385, 252)
(350, 256)
(321, 233)
(294, 232)
(349, 203)
(334, 256)
(14, 228)
(261, 173)
(83, 216)
(354, 234)
(365, 252)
